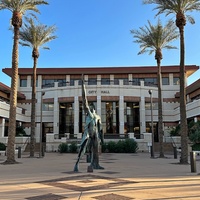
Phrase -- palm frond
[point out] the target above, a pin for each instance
(175, 6)
(36, 35)
(154, 37)
(21, 5)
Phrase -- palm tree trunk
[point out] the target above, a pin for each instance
(160, 114)
(13, 101)
(183, 117)
(32, 142)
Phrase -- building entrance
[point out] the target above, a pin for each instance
(66, 119)
(110, 117)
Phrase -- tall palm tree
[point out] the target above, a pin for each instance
(179, 8)
(35, 36)
(18, 9)
(153, 39)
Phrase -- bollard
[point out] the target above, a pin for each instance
(193, 161)
(152, 152)
(6, 151)
(43, 150)
(175, 152)
(19, 152)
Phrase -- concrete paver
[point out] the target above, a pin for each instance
(125, 177)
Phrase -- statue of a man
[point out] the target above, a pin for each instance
(92, 135)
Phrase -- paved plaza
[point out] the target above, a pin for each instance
(125, 177)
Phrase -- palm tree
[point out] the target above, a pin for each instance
(153, 39)
(18, 9)
(35, 36)
(179, 8)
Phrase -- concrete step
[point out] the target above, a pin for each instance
(167, 147)
(37, 147)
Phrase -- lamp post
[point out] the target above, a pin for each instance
(40, 153)
(152, 129)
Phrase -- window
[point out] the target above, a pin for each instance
(72, 82)
(116, 81)
(66, 119)
(132, 118)
(155, 129)
(150, 81)
(154, 106)
(61, 82)
(176, 81)
(32, 82)
(92, 81)
(110, 117)
(23, 82)
(165, 81)
(125, 81)
(136, 81)
(105, 81)
(48, 127)
(46, 83)
(47, 106)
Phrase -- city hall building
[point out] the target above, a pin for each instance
(122, 97)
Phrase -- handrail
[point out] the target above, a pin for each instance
(173, 143)
(26, 142)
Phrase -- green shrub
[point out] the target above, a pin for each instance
(63, 148)
(122, 146)
(196, 147)
(20, 132)
(73, 147)
(2, 147)
(111, 147)
(104, 147)
(130, 146)
(175, 131)
(194, 132)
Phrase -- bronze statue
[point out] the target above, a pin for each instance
(92, 135)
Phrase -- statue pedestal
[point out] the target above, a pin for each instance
(90, 169)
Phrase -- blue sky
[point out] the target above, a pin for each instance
(96, 33)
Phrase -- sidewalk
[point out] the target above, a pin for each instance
(125, 177)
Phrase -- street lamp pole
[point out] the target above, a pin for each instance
(40, 153)
(152, 128)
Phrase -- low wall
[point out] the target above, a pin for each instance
(175, 140)
(3, 153)
(52, 141)
(19, 142)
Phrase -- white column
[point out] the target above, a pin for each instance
(121, 107)
(29, 81)
(76, 115)
(142, 115)
(40, 113)
(98, 110)
(171, 81)
(56, 110)
(112, 79)
(121, 114)
(40, 81)
(2, 127)
(37, 132)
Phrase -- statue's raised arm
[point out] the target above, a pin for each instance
(84, 98)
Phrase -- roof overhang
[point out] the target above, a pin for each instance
(190, 69)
